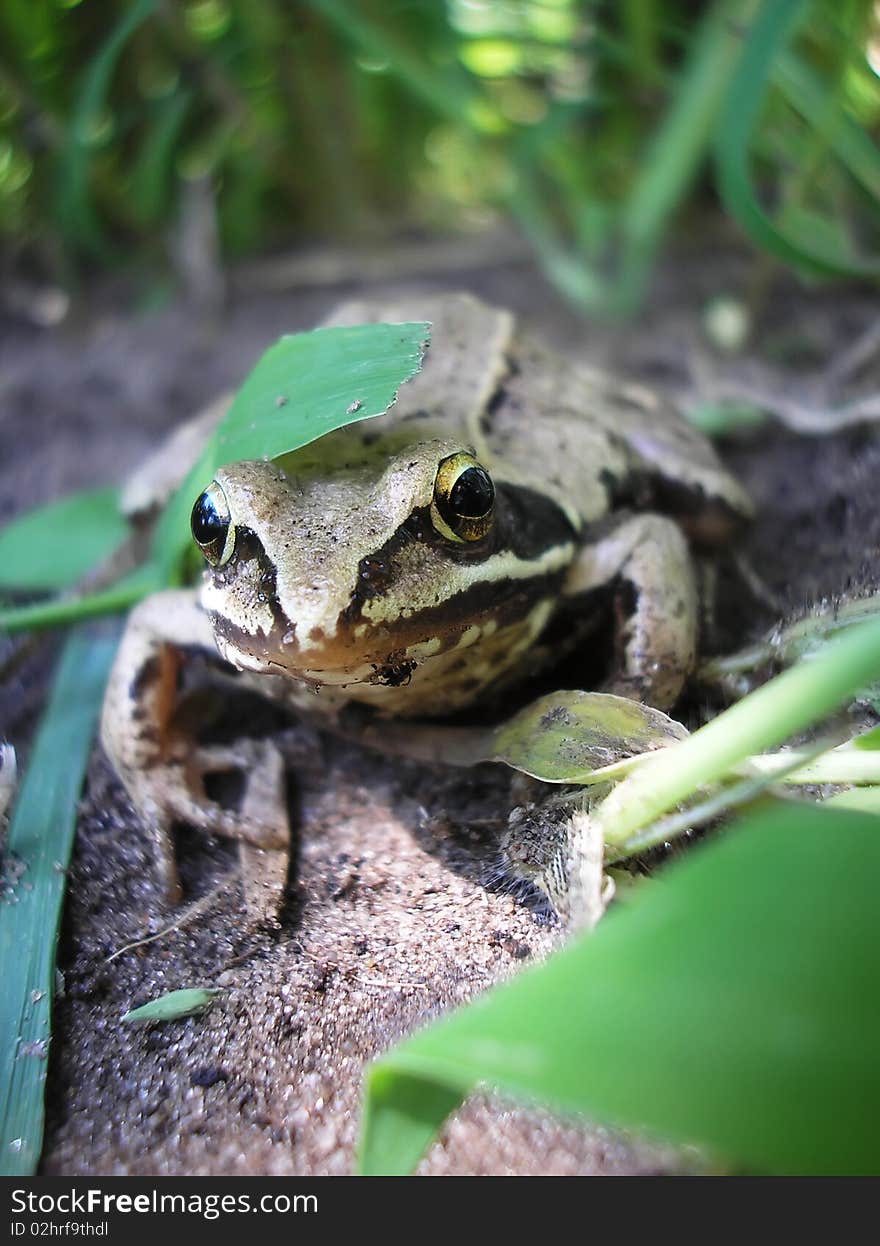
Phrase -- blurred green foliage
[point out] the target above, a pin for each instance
(590, 124)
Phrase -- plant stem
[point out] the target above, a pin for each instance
(793, 701)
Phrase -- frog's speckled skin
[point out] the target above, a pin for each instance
(341, 580)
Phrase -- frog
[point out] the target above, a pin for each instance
(513, 509)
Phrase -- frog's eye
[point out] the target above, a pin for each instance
(464, 499)
(212, 526)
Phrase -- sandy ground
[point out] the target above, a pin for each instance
(389, 922)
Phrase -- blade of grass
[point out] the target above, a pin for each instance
(681, 142)
(61, 611)
(75, 214)
(768, 37)
(54, 545)
(669, 167)
(851, 144)
(36, 854)
(151, 176)
(451, 94)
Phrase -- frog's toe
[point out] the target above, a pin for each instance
(533, 862)
(264, 868)
(552, 852)
(261, 816)
(175, 791)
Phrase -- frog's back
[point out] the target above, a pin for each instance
(547, 422)
(537, 419)
(614, 443)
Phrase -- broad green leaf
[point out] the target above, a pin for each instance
(53, 546)
(735, 1005)
(306, 385)
(173, 1006)
(36, 853)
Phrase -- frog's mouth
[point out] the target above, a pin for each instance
(427, 662)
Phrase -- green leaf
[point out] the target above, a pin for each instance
(37, 851)
(401, 1116)
(717, 418)
(806, 637)
(304, 386)
(680, 143)
(736, 1005)
(868, 739)
(54, 546)
(566, 736)
(173, 1006)
(807, 229)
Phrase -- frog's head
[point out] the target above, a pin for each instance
(374, 565)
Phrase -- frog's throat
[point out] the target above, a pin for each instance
(416, 674)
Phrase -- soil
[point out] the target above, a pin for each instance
(389, 921)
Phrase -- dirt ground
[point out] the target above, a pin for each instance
(388, 922)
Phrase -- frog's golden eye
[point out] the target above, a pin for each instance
(212, 526)
(464, 499)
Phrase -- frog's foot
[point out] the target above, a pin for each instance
(174, 790)
(646, 560)
(165, 771)
(550, 847)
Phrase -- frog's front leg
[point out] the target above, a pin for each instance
(162, 767)
(646, 561)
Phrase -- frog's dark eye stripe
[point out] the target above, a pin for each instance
(464, 499)
(212, 526)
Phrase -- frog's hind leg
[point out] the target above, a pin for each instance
(551, 847)
(646, 561)
(164, 769)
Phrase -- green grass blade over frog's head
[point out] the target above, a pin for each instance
(304, 386)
